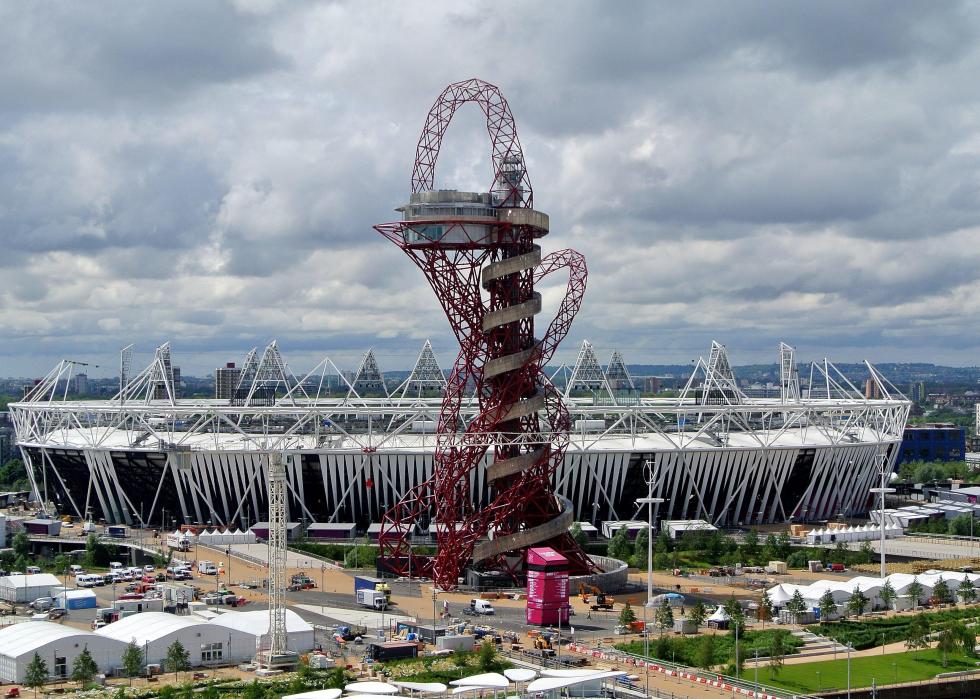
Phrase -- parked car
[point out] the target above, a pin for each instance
(57, 613)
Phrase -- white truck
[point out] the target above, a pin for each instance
(375, 599)
(481, 606)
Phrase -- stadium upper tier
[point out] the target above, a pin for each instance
(711, 452)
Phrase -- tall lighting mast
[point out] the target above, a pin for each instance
(277, 654)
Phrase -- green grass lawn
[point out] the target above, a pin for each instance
(885, 669)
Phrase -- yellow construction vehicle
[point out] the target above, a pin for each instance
(602, 600)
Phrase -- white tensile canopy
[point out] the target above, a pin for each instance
(720, 615)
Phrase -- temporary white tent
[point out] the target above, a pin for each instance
(299, 634)
(57, 644)
(779, 596)
(27, 588)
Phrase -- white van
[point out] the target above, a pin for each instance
(207, 568)
(33, 570)
(481, 606)
(76, 570)
(115, 565)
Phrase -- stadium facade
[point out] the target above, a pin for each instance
(712, 453)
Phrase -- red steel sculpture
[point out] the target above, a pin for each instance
(479, 254)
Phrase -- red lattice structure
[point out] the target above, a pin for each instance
(479, 255)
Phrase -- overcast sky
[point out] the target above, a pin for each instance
(208, 173)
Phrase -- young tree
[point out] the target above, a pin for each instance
(254, 691)
(942, 592)
(915, 592)
(576, 531)
(620, 547)
(627, 616)
(766, 608)
(839, 554)
(827, 605)
(857, 602)
(665, 615)
(706, 652)
(640, 549)
(84, 668)
(715, 547)
(783, 546)
(21, 545)
(132, 661)
(36, 674)
(770, 549)
(967, 638)
(947, 643)
(960, 525)
(887, 594)
(734, 610)
(967, 592)
(867, 552)
(750, 547)
(796, 606)
(777, 649)
(178, 659)
(488, 656)
(917, 634)
(698, 614)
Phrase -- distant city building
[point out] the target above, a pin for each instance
(160, 389)
(226, 381)
(8, 438)
(917, 391)
(940, 441)
(871, 389)
(651, 384)
(81, 384)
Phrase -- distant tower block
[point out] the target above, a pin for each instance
(426, 375)
(368, 378)
(587, 374)
(618, 375)
(275, 654)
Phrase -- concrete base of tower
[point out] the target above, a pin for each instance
(282, 662)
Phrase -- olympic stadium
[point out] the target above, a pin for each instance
(354, 445)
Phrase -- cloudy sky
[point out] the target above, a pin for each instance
(208, 173)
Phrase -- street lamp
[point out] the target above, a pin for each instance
(649, 501)
(881, 517)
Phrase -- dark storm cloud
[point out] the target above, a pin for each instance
(752, 171)
(57, 56)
